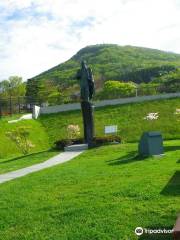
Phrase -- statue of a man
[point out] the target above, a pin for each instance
(86, 82)
(85, 76)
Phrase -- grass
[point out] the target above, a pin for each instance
(11, 158)
(38, 137)
(103, 194)
(128, 117)
(7, 165)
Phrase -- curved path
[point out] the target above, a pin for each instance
(58, 159)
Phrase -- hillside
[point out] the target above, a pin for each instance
(109, 62)
(38, 137)
(52, 127)
(128, 117)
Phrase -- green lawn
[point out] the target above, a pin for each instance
(11, 164)
(11, 158)
(38, 137)
(128, 117)
(103, 194)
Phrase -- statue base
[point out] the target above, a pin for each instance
(76, 147)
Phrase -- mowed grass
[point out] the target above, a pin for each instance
(38, 137)
(11, 157)
(128, 117)
(11, 164)
(103, 194)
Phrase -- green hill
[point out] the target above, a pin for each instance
(128, 117)
(109, 62)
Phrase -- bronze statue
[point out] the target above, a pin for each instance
(86, 82)
(87, 91)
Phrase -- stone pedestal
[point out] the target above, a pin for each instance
(76, 147)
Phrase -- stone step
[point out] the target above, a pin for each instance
(76, 147)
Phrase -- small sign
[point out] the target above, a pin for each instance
(111, 129)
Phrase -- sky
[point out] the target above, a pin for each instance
(36, 35)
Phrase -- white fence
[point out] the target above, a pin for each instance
(76, 106)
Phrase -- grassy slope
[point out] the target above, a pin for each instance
(11, 158)
(129, 119)
(38, 137)
(103, 194)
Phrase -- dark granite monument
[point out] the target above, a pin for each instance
(151, 143)
(85, 76)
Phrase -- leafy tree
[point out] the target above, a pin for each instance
(145, 89)
(115, 89)
(169, 82)
(14, 87)
(55, 98)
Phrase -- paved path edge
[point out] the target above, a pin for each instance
(58, 159)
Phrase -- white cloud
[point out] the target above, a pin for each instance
(38, 34)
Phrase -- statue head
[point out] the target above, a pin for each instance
(83, 64)
(86, 81)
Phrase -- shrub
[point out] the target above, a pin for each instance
(62, 143)
(145, 89)
(55, 98)
(20, 137)
(66, 142)
(106, 140)
(73, 131)
(97, 141)
(116, 89)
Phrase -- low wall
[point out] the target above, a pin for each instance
(60, 108)
(76, 106)
(36, 111)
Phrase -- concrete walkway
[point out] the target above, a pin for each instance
(60, 158)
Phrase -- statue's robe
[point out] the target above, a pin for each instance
(87, 90)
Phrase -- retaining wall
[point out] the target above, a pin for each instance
(76, 106)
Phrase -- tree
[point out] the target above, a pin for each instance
(14, 86)
(115, 89)
(145, 89)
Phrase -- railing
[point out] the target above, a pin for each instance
(15, 105)
(137, 92)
